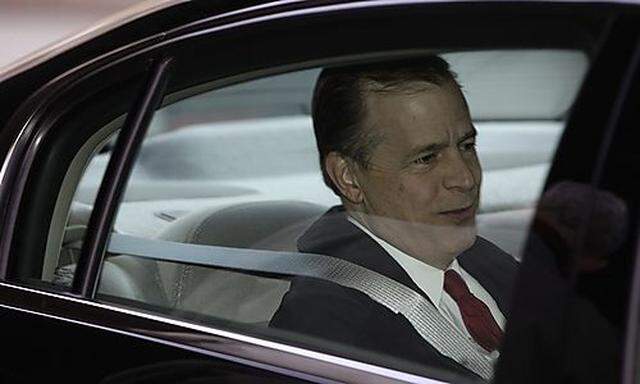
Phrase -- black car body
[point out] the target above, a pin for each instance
(52, 104)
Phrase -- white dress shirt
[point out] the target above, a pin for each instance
(431, 281)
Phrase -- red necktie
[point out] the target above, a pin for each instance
(475, 314)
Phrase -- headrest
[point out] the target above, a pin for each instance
(271, 225)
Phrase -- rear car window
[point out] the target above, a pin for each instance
(233, 218)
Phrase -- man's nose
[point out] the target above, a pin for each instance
(459, 173)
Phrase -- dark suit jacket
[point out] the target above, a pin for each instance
(347, 316)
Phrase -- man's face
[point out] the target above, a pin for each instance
(421, 189)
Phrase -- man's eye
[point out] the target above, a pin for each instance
(469, 146)
(425, 159)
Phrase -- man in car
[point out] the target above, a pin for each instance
(397, 145)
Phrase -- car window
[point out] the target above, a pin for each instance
(256, 130)
(231, 217)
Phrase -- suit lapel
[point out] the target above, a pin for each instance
(335, 236)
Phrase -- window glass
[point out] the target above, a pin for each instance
(430, 171)
(74, 205)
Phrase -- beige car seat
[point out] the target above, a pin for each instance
(122, 276)
(230, 295)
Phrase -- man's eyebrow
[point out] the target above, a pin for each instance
(434, 147)
(471, 134)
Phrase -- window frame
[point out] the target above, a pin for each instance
(85, 282)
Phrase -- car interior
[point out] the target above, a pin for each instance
(236, 167)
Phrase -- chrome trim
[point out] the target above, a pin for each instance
(319, 356)
(168, 343)
(101, 27)
(255, 8)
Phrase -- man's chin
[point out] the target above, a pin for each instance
(459, 240)
(441, 240)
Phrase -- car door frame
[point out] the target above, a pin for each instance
(163, 45)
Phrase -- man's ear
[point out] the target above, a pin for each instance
(341, 172)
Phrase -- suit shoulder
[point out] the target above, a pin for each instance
(494, 254)
(320, 308)
(315, 291)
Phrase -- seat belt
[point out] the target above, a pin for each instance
(420, 312)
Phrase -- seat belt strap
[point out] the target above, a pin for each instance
(420, 312)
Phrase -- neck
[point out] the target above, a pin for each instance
(410, 242)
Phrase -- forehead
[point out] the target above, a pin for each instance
(417, 112)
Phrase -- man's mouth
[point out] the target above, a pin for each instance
(461, 214)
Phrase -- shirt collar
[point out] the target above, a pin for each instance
(428, 278)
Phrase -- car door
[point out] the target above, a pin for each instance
(112, 101)
(586, 303)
